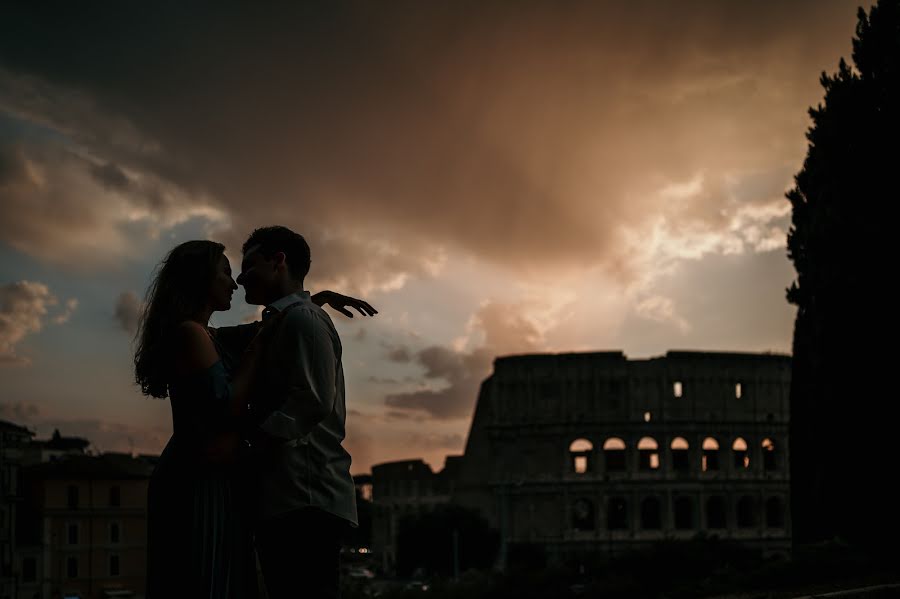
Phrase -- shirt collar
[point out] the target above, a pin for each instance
(281, 304)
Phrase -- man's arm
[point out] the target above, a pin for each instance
(306, 349)
(236, 339)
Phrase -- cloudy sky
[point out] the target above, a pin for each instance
(495, 177)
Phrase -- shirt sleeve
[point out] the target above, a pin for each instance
(236, 339)
(306, 351)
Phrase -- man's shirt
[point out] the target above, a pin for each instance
(301, 377)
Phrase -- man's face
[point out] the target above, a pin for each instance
(258, 277)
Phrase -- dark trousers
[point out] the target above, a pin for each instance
(300, 554)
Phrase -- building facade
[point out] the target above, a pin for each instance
(14, 443)
(577, 454)
(84, 533)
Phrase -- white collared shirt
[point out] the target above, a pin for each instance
(303, 375)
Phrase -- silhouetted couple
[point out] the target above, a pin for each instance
(258, 416)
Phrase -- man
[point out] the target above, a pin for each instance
(306, 496)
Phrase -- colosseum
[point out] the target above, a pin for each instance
(579, 453)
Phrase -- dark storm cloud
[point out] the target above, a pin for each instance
(531, 136)
(111, 176)
(400, 354)
(460, 372)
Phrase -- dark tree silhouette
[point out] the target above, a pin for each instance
(844, 400)
(426, 541)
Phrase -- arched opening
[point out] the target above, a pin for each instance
(614, 454)
(774, 513)
(680, 455)
(684, 513)
(617, 513)
(746, 512)
(648, 450)
(709, 462)
(715, 512)
(583, 514)
(580, 451)
(741, 454)
(770, 456)
(650, 514)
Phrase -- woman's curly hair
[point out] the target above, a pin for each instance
(179, 291)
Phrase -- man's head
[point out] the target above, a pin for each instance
(275, 264)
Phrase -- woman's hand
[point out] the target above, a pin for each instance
(342, 302)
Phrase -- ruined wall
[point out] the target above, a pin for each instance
(543, 459)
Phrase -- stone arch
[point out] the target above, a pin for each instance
(684, 513)
(746, 512)
(770, 455)
(580, 452)
(617, 513)
(583, 514)
(680, 454)
(648, 451)
(651, 513)
(614, 454)
(716, 515)
(709, 461)
(740, 451)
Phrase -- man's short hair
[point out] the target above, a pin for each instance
(272, 240)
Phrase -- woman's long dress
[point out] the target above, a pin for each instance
(199, 538)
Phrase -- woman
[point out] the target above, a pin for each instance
(199, 542)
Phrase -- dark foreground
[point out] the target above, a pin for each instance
(673, 570)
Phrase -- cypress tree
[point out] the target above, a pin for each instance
(844, 452)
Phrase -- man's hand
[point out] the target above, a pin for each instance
(342, 302)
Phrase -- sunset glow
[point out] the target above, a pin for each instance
(494, 181)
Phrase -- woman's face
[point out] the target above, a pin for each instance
(222, 287)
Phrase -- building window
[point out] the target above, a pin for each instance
(746, 512)
(583, 515)
(72, 534)
(114, 532)
(617, 514)
(29, 569)
(115, 496)
(72, 497)
(715, 512)
(677, 389)
(770, 457)
(580, 455)
(738, 391)
(113, 565)
(614, 454)
(72, 567)
(650, 514)
(709, 462)
(741, 455)
(684, 513)
(648, 450)
(680, 453)
(774, 513)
